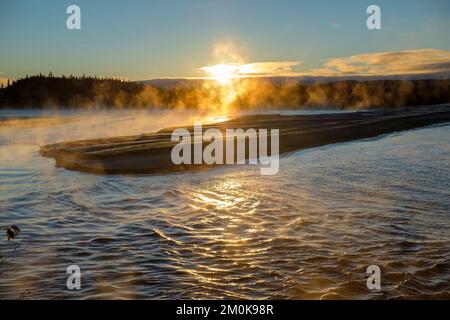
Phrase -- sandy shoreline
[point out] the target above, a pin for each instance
(151, 153)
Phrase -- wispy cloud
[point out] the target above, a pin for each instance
(388, 63)
(268, 68)
(406, 62)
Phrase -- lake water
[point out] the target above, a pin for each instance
(309, 232)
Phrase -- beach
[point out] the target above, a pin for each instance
(151, 153)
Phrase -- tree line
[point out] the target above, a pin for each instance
(48, 91)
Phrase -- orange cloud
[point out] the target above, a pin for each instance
(406, 62)
(270, 68)
(388, 63)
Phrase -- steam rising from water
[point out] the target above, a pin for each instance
(66, 125)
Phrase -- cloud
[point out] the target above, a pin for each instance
(269, 68)
(406, 62)
(388, 63)
(228, 50)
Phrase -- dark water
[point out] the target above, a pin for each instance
(307, 233)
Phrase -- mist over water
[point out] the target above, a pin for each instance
(308, 232)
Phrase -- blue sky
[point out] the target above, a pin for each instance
(152, 39)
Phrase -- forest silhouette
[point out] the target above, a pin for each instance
(48, 91)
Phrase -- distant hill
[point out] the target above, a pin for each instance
(249, 93)
(276, 80)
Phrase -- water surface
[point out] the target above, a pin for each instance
(307, 233)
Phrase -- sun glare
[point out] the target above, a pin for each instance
(222, 73)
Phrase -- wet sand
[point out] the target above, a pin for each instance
(151, 153)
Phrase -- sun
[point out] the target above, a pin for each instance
(222, 73)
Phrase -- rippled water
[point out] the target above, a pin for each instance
(307, 233)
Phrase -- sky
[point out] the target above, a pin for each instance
(181, 38)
